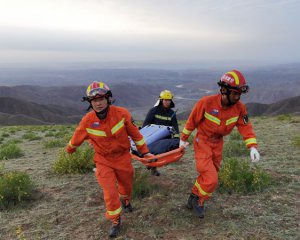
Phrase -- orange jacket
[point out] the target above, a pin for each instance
(213, 122)
(109, 136)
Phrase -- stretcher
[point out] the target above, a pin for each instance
(152, 133)
(162, 159)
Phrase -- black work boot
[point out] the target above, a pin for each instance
(126, 206)
(154, 171)
(194, 203)
(115, 228)
(189, 203)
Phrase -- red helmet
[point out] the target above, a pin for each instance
(97, 89)
(234, 80)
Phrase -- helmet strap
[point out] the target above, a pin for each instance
(227, 93)
(102, 115)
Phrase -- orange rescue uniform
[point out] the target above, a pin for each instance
(213, 122)
(109, 138)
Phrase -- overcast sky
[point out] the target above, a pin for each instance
(40, 31)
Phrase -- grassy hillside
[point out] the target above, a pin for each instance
(72, 206)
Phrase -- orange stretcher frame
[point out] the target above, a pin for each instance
(162, 159)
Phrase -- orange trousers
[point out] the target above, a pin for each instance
(208, 155)
(116, 181)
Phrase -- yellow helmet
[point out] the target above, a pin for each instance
(166, 95)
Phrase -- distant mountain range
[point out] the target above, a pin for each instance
(60, 105)
(55, 95)
(19, 112)
(287, 106)
(267, 84)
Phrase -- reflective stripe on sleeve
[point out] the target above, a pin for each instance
(201, 190)
(140, 143)
(118, 126)
(212, 118)
(232, 120)
(96, 132)
(187, 132)
(250, 141)
(71, 145)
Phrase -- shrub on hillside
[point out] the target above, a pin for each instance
(49, 134)
(235, 148)
(142, 185)
(54, 143)
(235, 135)
(79, 162)
(12, 130)
(10, 150)
(61, 133)
(14, 188)
(296, 141)
(241, 177)
(5, 135)
(285, 117)
(14, 141)
(31, 136)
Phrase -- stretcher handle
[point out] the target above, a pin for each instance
(155, 158)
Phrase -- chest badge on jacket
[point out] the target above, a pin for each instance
(214, 112)
(95, 125)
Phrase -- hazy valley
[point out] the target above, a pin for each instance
(39, 96)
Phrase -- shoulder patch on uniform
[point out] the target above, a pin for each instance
(246, 119)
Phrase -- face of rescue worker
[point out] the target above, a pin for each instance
(99, 104)
(166, 103)
(234, 97)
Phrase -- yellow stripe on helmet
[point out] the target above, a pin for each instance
(236, 78)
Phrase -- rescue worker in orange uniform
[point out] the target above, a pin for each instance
(214, 117)
(107, 128)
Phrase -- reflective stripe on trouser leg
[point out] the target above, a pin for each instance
(207, 180)
(107, 180)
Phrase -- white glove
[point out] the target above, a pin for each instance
(183, 144)
(254, 154)
(148, 155)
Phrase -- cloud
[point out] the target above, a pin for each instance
(150, 29)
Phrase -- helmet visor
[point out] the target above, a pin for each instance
(244, 88)
(97, 91)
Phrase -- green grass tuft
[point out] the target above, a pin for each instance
(79, 162)
(54, 143)
(142, 187)
(235, 135)
(235, 148)
(5, 135)
(284, 117)
(14, 141)
(31, 136)
(296, 141)
(9, 151)
(49, 134)
(239, 176)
